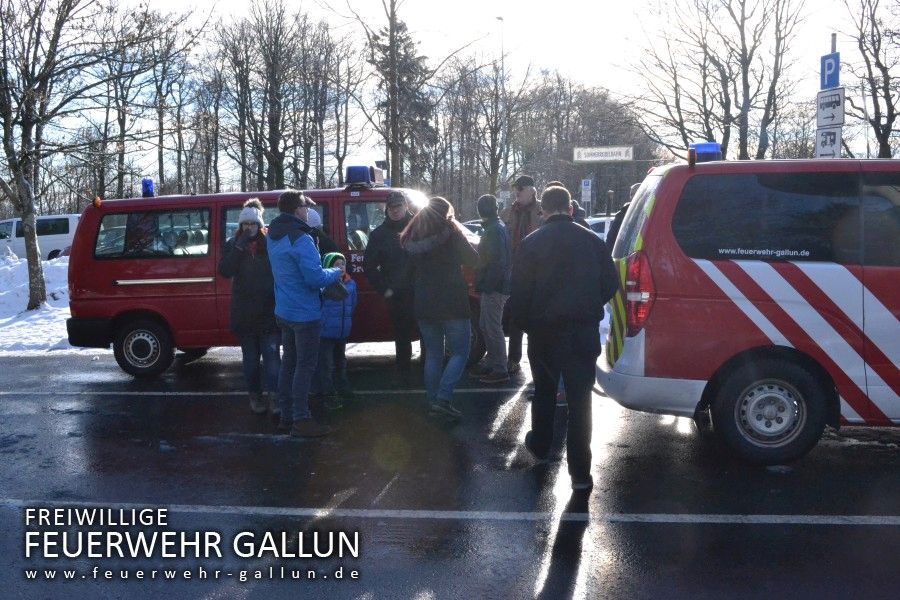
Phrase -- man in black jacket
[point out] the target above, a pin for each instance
(492, 281)
(386, 266)
(562, 277)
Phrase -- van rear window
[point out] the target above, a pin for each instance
(771, 217)
(155, 234)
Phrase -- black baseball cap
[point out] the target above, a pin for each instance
(523, 181)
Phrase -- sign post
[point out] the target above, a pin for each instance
(830, 105)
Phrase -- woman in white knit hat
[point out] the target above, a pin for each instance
(246, 262)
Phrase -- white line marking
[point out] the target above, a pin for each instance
(479, 515)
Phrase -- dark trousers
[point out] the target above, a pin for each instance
(515, 344)
(300, 341)
(570, 350)
(400, 309)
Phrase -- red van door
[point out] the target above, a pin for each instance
(881, 298)
(160, 261)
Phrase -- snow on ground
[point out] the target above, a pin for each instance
(37, 331)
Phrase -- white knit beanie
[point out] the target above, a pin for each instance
(249, 213)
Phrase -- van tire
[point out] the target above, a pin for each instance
(53, 254)
(143, 348)
(770, 411)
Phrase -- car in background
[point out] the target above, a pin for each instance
(55, 233)
(600, 225)
(474, 226)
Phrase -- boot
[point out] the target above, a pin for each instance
(257, 404)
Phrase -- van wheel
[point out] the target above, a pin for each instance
(53, 254)
(770, 411)
(143, 348)
(477, 348)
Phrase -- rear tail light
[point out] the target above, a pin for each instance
(639, 292)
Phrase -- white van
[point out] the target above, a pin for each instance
(55, 234)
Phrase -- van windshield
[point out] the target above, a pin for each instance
(636, 216)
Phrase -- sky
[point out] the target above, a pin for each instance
(592, 42)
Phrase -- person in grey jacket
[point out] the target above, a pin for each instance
(245, 261)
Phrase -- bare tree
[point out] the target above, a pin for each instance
(879, 56)
(55, 47)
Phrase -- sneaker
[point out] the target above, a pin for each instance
(309, 428)
(495, 378)
(538, 459)
(513, 367)
(333, 402)
(257, 404)
(446, 409)
(582, 485)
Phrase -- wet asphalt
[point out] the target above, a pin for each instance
(442, 509)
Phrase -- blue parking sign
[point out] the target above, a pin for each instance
(831, 71)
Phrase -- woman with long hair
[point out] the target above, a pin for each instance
(438, 249)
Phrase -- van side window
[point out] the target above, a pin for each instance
(881, 219)
(361, 219)
(178, 233)
(53, 226)
(771, 216)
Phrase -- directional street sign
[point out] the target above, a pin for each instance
(831, 71)
(830, 108)
(603, 154)
(828, 142)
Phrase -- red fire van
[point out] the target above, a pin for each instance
(767, 292)
(143, 277)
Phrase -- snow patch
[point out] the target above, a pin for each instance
(35, 331)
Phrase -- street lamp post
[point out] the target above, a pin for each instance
(504, 117)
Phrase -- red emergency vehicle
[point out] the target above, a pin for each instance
(143, 276)
(767, 292)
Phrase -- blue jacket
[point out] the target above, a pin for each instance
(336, 314)
(297, 270)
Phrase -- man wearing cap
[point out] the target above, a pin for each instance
(299, 277)
(521, 218)
(386, 266)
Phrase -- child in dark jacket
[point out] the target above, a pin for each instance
(331, 372)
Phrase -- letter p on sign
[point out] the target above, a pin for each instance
(831, 71)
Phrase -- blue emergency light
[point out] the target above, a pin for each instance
(707, 151)
(362, 176)
(147, 190)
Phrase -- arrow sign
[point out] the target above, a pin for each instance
(830, 108)
(828, 142)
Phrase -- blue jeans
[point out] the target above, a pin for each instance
(440, 380)
(265, 345)
(301, 353)
(332, 367)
